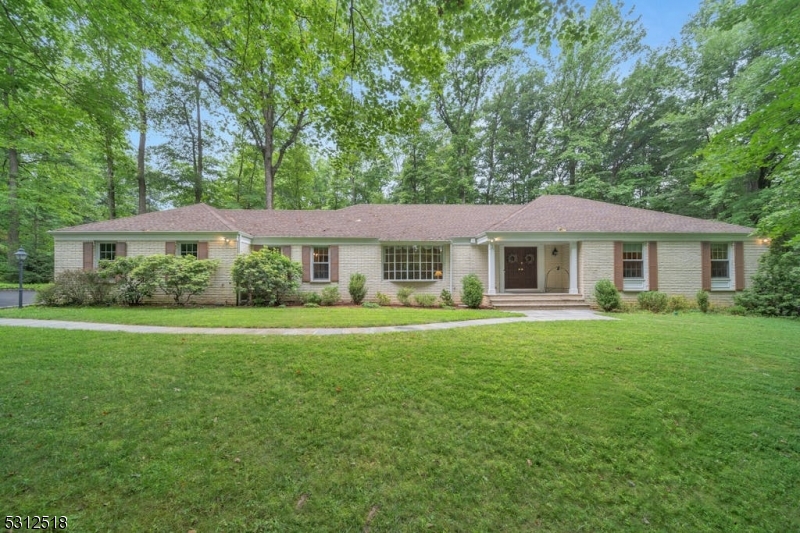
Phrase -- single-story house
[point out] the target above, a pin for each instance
(554, 247)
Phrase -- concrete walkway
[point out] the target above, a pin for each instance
(530, 316)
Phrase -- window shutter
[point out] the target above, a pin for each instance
(202, 250)
(652, 265)
(306, 263)
(333, 257)
(88, 256)
(618, 265)
(738, 259)
(256, 247)
(705, 259)
(169, 248)
(287, 251)
(122, 249)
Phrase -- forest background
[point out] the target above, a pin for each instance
(113, 108)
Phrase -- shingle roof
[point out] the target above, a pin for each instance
(416, 222)
(571, 214)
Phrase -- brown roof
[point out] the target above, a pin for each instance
(416, 222)
(571, 214)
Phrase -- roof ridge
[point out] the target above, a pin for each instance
(219, 217)
(512, 215)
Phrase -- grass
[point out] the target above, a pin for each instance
(28, 286)
(664, 423)
(250, 317)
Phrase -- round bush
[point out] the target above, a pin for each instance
(471, 291)
(607, 295)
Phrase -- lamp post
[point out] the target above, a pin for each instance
(21, 256)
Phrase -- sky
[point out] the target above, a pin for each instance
(662, 19)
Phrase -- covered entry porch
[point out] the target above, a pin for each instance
(531, 267)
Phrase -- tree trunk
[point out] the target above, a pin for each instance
(111, 195)
(267, 150)
(140, 176)
(13, 180)
(198, 176)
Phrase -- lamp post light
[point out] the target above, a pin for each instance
(21, 256)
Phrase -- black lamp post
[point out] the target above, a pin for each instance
(21, 256)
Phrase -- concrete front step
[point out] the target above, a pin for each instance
(538, 301)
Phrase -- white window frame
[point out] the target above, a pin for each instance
(179, 248)
(314, 262)
(638, 283)
(99, 251)
(722, 283)
(412, 262)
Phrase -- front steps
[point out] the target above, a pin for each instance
(538, 301)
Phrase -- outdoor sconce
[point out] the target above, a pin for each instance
(555, 251)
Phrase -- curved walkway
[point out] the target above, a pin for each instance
(530, 316)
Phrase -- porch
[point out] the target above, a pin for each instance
(532, 268)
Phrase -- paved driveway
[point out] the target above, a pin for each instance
(11, 298)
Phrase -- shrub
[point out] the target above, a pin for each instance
(702, 301)
(425, 300)
(330, 295)
(404, 296)
(737, 310)
(47, 296)
(76, 287)
(678, 303)
(181, 277)
(310, 305)
(370, 305)
(266, 277)
(653, 301)
(357, 288)
(471, 291)
(447, 299)
(383, 299)
(133, 280)
(311, 298)
(775, 289)
(607, 295)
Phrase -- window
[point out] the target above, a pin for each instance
(720, 261)
(633, 267)
(107, 250)
(320, 264)
(412, 263)
(187, 248)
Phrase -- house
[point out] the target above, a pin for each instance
(553, 245)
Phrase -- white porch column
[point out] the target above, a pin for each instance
(573, 267)
(492, 276)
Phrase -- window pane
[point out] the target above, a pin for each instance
(320, 266)
(188, 248)
(720, 269)
(632, 251)
(719, 251)
(108, 250)
(412, 263)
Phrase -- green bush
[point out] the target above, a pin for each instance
(737, 310)
(310, 305)
(678, 303)
(370, 305)
(775, 289)
(404, 296)
(181, 277)
(330, 295)
(78, 287)
(425, 300)
(703, 302)
(383, 299)
(607, 295)
(471, 291)
(446, 298)
(357, 288)
(311, 298)
(266, 277)
(133, 280)
(653, 301)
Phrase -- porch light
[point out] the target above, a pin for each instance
(555, 251)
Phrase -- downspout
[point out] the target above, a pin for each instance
(450, 260)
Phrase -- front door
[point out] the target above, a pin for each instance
(520, 267)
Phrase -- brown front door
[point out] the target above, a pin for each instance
(520, 267)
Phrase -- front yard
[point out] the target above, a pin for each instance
(664, 423)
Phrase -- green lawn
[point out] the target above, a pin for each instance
(255, 317)
(663, 423)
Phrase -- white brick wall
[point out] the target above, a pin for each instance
(596, 262)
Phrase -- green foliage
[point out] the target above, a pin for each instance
(266, 277)
(775, 289)
(311, 298)
(653, 301)
(425, 300)
(77, 287)
(703, 302)
(371, 305)
(357, 288)
(180, 277)
(607, 296)
(678, 303)
(311, 305)
(471, 291)
(446, 298)
(134, 280)
(330, 295)
(736, 310)
(383, 299)
(404, 295)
